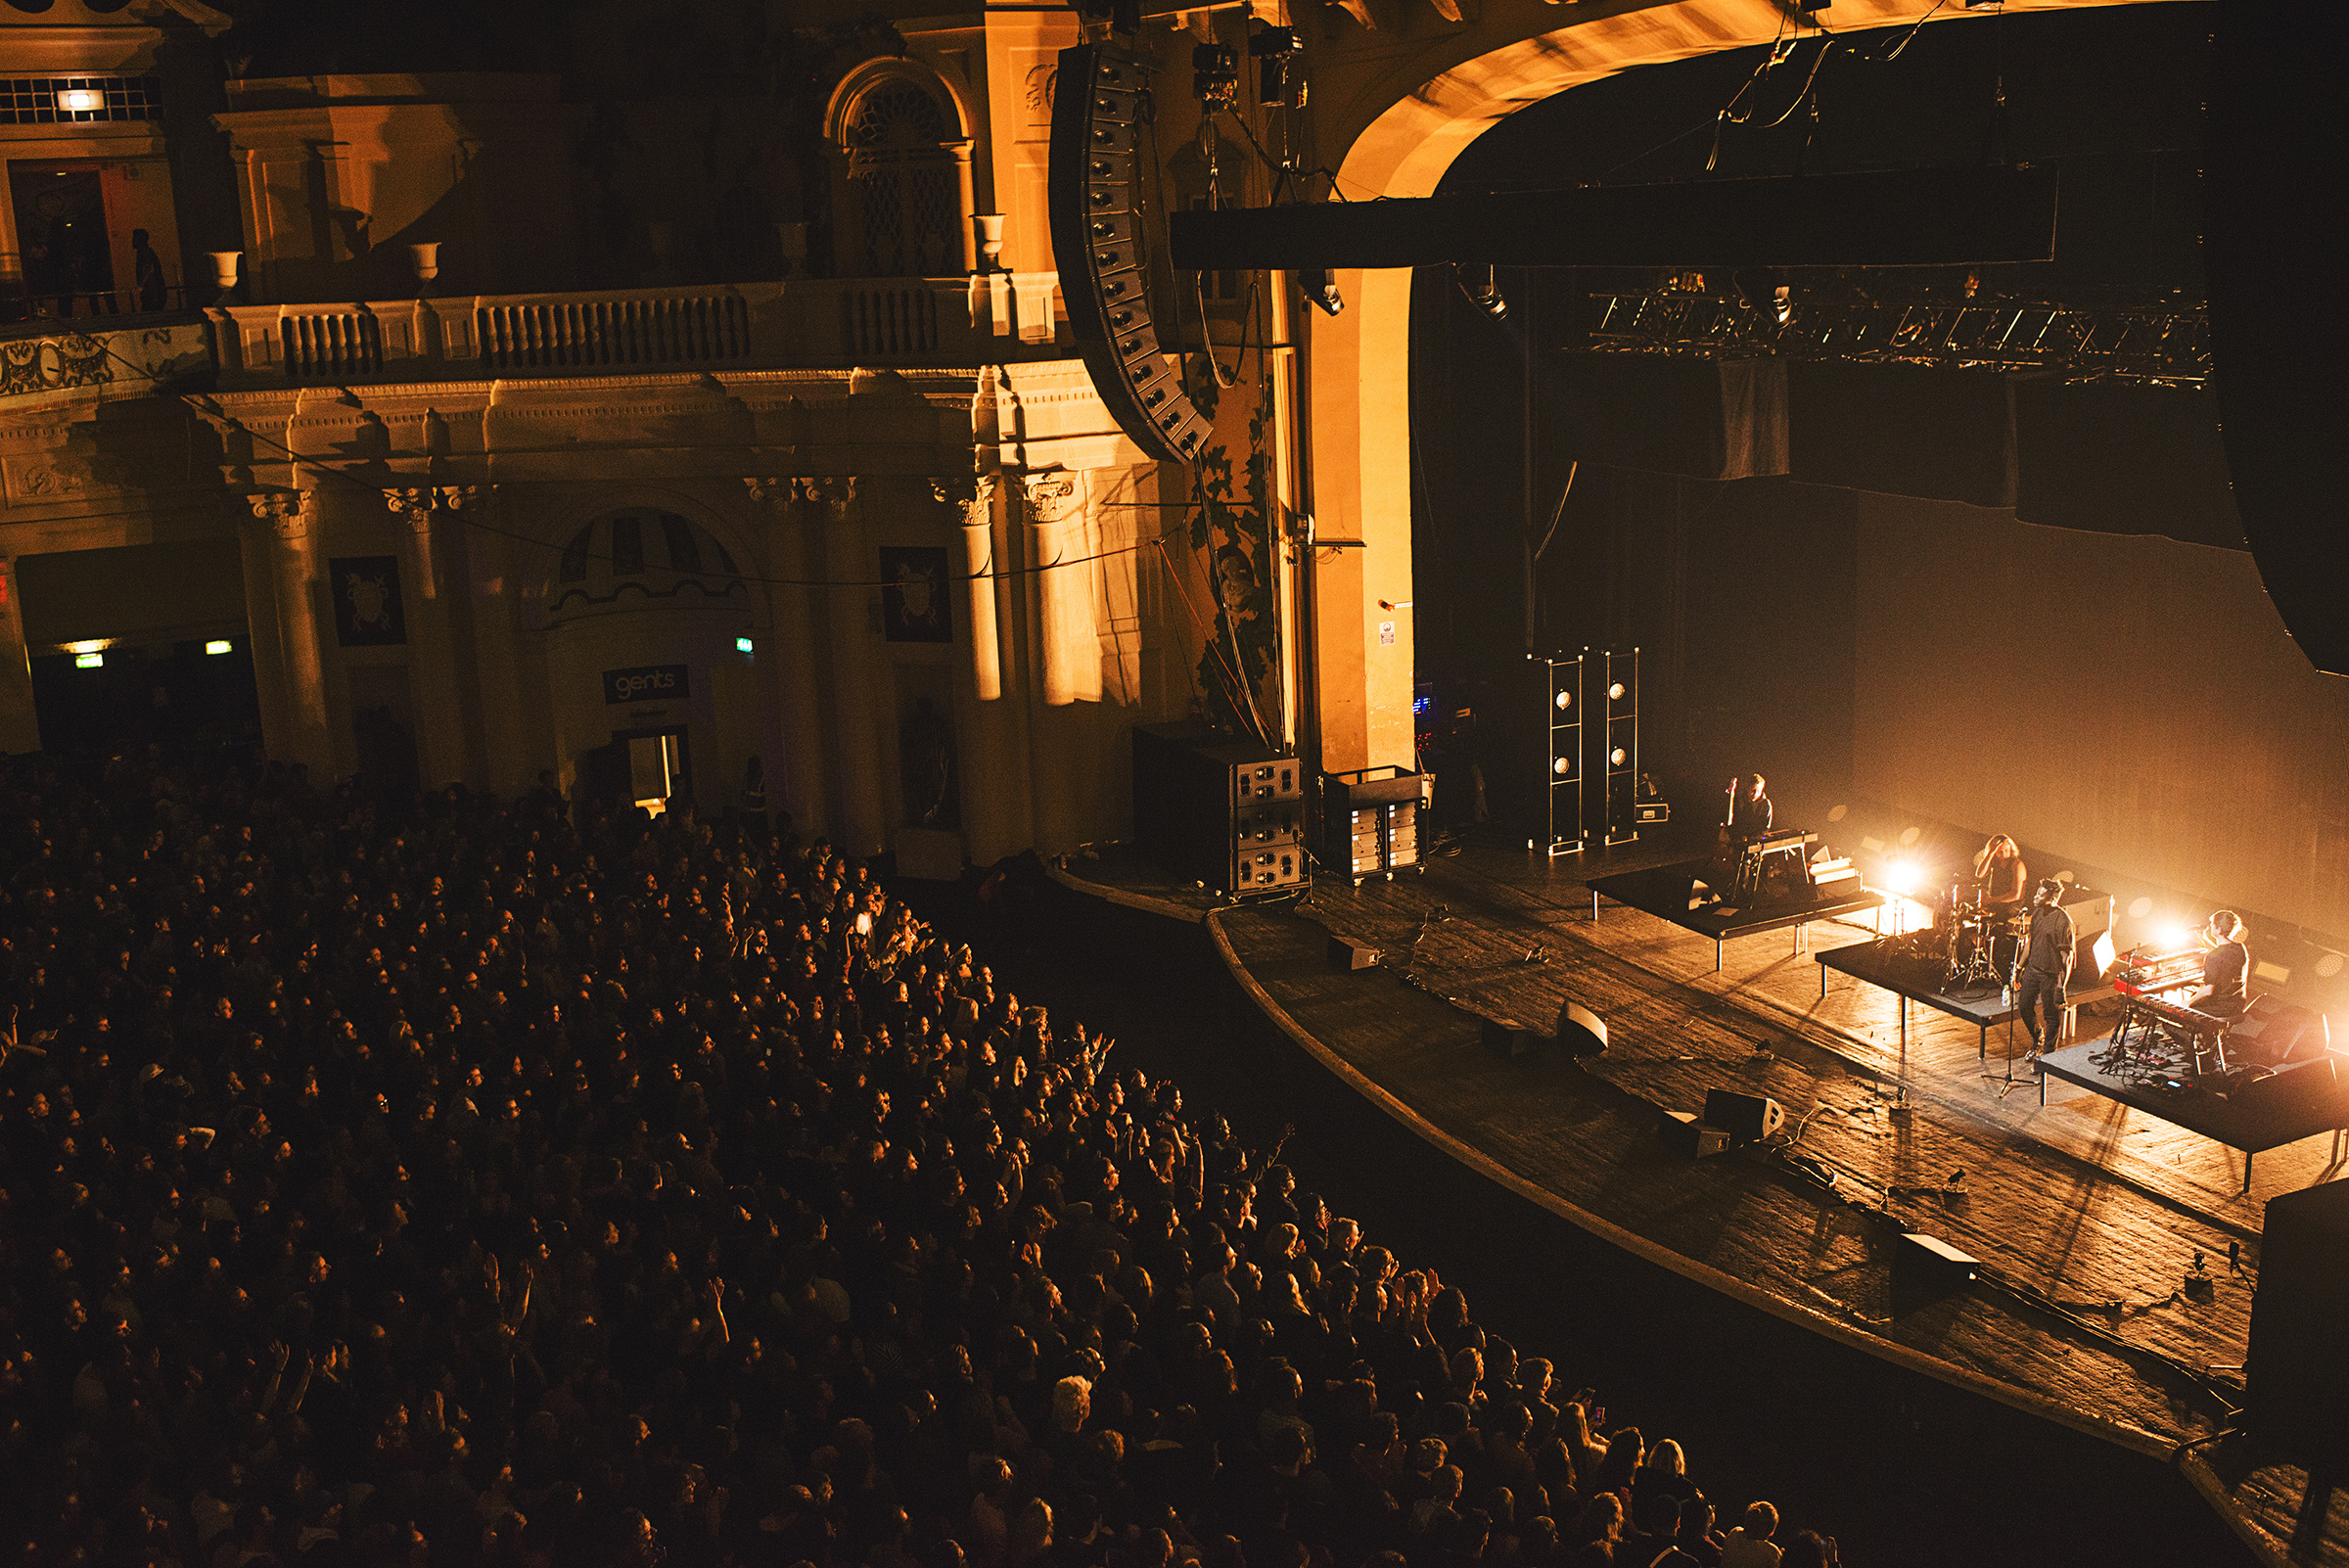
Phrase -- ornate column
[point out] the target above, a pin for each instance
(434, 660)
(850, 617)
(788, 675)
(283, 528)
(966, 201)
(20, 725)
(973, 500)
(1067, 646)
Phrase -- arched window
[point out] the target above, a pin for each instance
(905, 186)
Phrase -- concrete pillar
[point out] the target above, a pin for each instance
(789, 668)
(434, 681)
(1068, 643)
(849, 611)
(505, 695)
(285, 523)
(19, 726)
(974, 564)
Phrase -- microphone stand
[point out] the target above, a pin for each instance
(2008, 1084)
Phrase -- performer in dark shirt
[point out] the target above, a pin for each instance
(2225, 967)
(1999, 876)
(2045, 966)
(1749, 808)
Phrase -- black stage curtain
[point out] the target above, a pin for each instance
(1903, 430)
(2121, 459)
(1708, 419)
(2131, 703)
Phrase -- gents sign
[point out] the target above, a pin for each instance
(646, 683)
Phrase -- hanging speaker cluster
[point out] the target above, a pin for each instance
(1103, 250)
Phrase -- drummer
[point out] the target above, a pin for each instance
(2000, 877)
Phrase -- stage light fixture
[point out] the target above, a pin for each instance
(219, 645)
(1618, 756)
(1322, 289)
(90, 661)
(2172, 936)
(1477, 282)
(1782, 304)
(1615, 692)
(1565, 701)
(1562, 767)
(1901, 877)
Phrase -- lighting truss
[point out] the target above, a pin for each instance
(2137, 344)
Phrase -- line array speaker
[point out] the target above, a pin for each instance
(1094, 188)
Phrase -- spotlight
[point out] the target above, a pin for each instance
(1477, 282)
(1322, 289)
(1562, 767)
(219, 645)
(1615, 692)
(1275, 50)
(1618, 756)
(2172, 936)
(1901, 877)
(1565, 701)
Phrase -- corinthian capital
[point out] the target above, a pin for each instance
(972, 494)
(770, 492)
(836, 492)
(1055, 496)
(285, 510)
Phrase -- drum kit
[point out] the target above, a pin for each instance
(1977, 941)
(1970, 945)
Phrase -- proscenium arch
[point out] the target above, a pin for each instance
(1401, 123)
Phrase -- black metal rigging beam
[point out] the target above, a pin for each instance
(1903, 217)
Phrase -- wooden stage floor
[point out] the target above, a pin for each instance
(2086, 1214)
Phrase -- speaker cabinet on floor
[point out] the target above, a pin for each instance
(1744, 1117)
(2296, 1377)
(1684, 1135)
(1347, 954)
(1506, 1038)
(1581, 1031)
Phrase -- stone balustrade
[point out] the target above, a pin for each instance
(884, 322)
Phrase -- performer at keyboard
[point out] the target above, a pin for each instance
(2225, 967)
(2000, 878)
(2045, 968)
(1749, 808)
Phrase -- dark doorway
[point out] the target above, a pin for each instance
(194, 696)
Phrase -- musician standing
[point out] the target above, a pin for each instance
(2046, 965)
(1999, 876)
(1749, 808)
(2225, 967)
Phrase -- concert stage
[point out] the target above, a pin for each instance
(1983, 1007)
(2085, 1213)
(1668, 892)
(2252, 1120)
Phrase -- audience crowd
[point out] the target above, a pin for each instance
(477, 1187)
